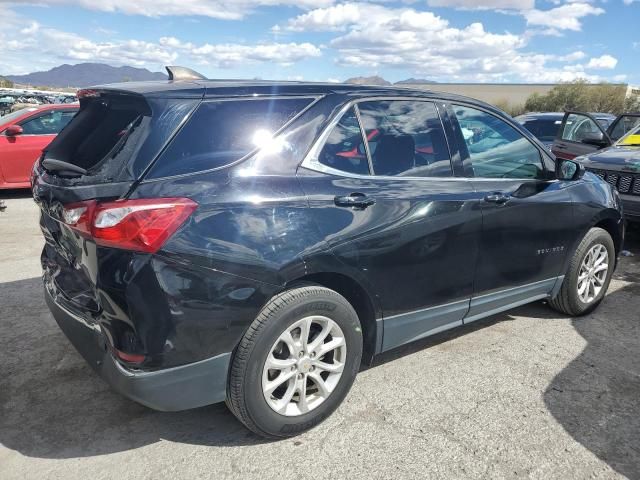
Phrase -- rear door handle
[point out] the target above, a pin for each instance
(355, 200)
(497, 197)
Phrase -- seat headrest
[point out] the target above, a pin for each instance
(394, 154)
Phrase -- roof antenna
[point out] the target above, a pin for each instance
(183, 73)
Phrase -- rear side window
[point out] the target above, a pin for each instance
(405, 138)
(221, 132)
(344, 148)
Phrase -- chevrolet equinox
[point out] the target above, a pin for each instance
(255, 242)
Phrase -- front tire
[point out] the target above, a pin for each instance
(296, 362)
(588, 276)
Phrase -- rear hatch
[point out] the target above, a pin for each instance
(100, 156)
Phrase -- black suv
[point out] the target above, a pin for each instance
(254, 242)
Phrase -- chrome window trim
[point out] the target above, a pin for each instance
(311, 161)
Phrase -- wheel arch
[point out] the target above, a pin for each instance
(361, 301)
(612, 226)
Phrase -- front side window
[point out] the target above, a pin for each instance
(578, 127)
(344, 148)
(405, 138)
(495, 148)
(48, 124)
(624, 126)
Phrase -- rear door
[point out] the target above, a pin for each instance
(18, 153)
(392, 212)
(579, 134)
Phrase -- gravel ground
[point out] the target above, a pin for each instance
(524, 394)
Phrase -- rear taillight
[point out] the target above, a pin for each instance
(142, 225)
(129, 357)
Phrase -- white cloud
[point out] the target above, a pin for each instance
(484, 4)
(572, 57)
(224, 9)
(565, 17)
(233, 55)
(605, 62)
(377, 37)
(41, 48)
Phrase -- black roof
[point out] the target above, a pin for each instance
(225, 88)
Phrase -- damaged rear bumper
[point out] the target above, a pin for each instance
(170, 389)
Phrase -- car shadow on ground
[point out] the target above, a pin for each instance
(15, 193)
(596, 397)
(52, 405)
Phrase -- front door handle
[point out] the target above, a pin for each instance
(356, 200)
(497, 197)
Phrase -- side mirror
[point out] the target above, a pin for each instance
(568, 170)
(596, 139)
(13, 130)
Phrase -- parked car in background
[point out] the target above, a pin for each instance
(546, 125)
(619, 165)
(581, 133)
(255, 241)
(23, 136)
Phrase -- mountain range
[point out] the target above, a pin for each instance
(85, 75)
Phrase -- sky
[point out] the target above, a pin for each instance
(522, 41)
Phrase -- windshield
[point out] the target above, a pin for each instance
(10, 117)
(631, 138)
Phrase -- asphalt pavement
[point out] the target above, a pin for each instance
(529, 393)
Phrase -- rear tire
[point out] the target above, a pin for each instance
(586, 283)
(308, 342)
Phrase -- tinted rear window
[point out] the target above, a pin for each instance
(544, 130)
(103, 135)
(221, 132)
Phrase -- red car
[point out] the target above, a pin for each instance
(23, 136)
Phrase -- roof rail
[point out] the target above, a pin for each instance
(183, 73)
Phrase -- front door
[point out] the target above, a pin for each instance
(527, 215)
(18, 153)
(623, 125)
(579, 134)
(391, 211)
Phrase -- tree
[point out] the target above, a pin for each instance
(5, 83)
(632, 104)
(582, 96)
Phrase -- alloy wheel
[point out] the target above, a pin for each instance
(593, 273)
(304, 366)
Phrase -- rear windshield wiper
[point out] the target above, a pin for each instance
(53, 165)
